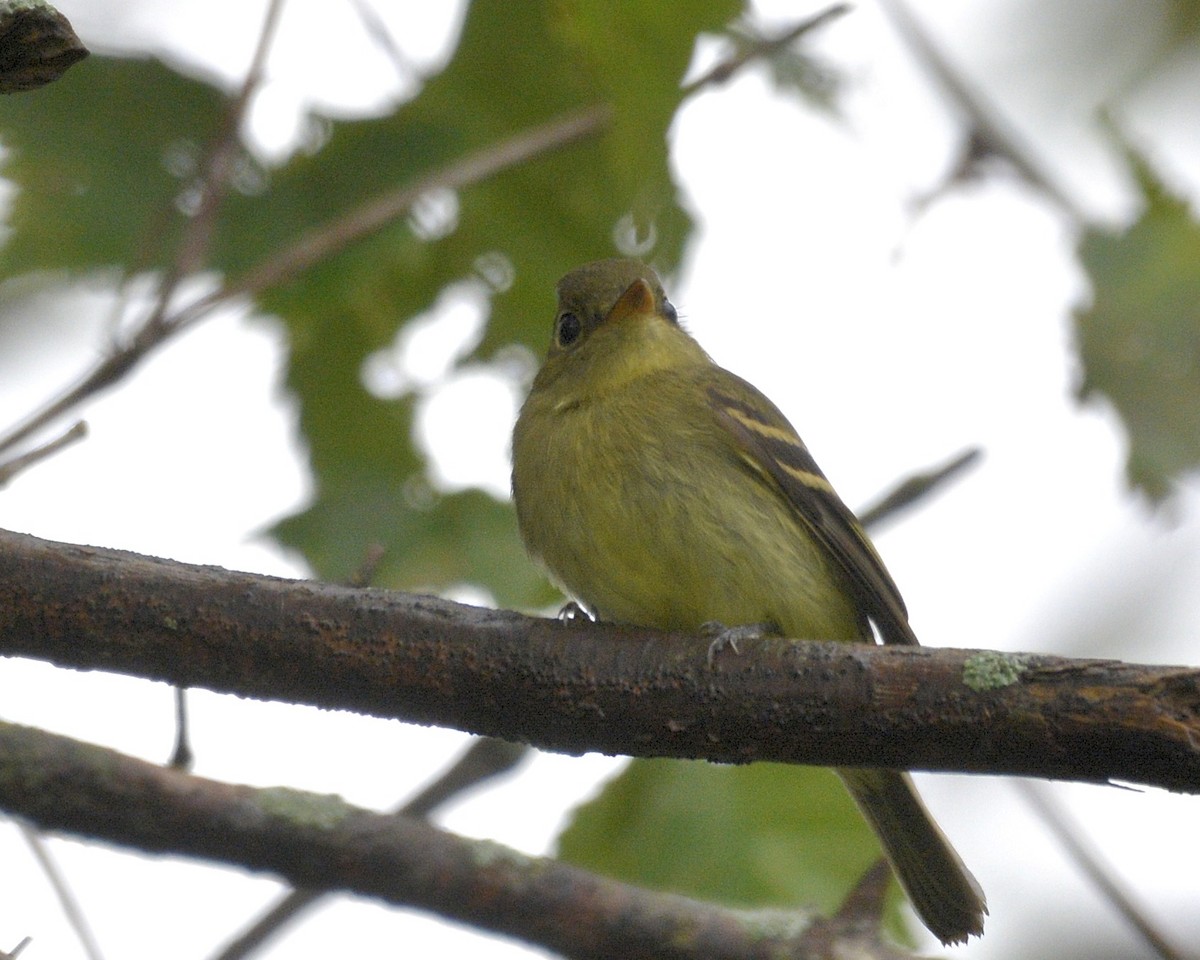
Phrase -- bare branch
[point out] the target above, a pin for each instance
(26, 460)
(726, 69)
(216, 170)
(1101, 875)
(312, 840)
(158, 326)
(16, 951)
(66, 896)
(105, 373)
(988, 133)
(917, 487)
(599, 686)
(323, 242)
(312, 248)
(484, 760)
(381, 36)
(858, 917)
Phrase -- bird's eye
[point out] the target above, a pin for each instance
(669, 311)
(568, 329)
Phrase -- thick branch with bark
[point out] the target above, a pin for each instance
(313, 840)
(485, 759)
(581, 687)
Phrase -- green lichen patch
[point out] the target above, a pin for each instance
(989, 670)
(323, 811)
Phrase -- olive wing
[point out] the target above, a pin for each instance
(769, 445)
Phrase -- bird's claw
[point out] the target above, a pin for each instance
(572, 611)
(729, 636)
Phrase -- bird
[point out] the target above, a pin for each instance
(661, 490)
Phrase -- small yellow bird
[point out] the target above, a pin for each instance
(662, 490)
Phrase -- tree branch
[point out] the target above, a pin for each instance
(766, 48)
(580, 687)
(67, 901)
(314, 840)
(988, 133)
(484, 760)
(310, 248)
(324, 241)
(915, 488)
(1101, 875)
(158, 325)
(10, 468)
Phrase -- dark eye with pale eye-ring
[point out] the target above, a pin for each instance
(567, 329)
(669, 311)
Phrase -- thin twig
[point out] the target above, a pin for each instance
(483, 760)
(16, 951)
(227, 144)
(323, 242)
(26, 460)
(66, 898)
(364, 574)
(989, 132)
(917, 487)
(319, 244)
(1101, 875)
(106, 372)
(382, 37)
(182, 756)
(193, 246)
(766, 48)
(329, 239)
(200, 226)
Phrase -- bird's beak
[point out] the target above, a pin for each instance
(638, 299)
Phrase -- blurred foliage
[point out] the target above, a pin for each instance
(105, 164)
(1183, 22)
(1139, 338)
(102, 160)
(765, 834)
(535, 221)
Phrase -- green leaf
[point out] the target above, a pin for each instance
(99, 160)
(373, 481)
(756, 835)
(104, 161)
(1140, 337)
(1182, 25)
(535, 221)
(430, 542)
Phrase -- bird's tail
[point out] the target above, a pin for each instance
(943, 892)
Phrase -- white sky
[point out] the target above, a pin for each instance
(891, 342)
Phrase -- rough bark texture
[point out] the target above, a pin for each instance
(322, 841)
(580, 687)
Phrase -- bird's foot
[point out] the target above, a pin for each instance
(573, 611)
(724, 636)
